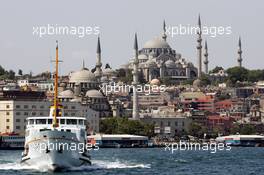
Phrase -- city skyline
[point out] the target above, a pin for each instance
(117, 27)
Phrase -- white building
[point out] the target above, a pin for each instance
(13, 114)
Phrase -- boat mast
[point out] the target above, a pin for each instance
(55, 112)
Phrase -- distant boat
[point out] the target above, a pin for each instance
(49, 140)
(11, 142)
(242, 140)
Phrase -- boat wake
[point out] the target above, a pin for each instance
(96, 165)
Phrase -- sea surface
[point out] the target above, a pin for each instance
(237, 161)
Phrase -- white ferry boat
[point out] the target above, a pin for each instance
(55, 142)
(242, 140)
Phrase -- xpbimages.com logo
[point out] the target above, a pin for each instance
(211, 31)
(79, 31)
(188, 146)
(147, 89)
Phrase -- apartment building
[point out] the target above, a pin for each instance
(13, 114)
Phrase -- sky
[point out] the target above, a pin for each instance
(117, 21)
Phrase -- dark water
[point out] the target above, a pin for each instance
(241, 161)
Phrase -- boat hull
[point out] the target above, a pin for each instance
(55, 150)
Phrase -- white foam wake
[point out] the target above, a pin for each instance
(96, 165)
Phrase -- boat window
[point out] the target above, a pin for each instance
(71, 122)
(40, 121)
(62, 121)
(49, 121)
(81, 122)
(31, 121)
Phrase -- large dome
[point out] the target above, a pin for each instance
(84, 75)
(94, 94)
(156, 43)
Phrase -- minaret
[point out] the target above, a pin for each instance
(199, 48)
(98, 70)
(135, 114)
(164, 36)
(239, 60)
(206, 58)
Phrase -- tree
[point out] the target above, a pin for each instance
(247, 129)
(107, 66)
(237, 74)
(20, 72)
(205, 80)
(165, 81)
(216, 69)
(11, 74)
(255, 75)
(125, 126)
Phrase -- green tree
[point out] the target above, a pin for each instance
(247, 129)
(20, 72)
(255, 75)
(237, 74)
(216, 69)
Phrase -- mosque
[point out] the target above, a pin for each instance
(157, 60)
(83, 86)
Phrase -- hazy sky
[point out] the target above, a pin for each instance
(118, 20)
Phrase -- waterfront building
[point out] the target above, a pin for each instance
(167, 121)
(17, 106)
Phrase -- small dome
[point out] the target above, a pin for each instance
(108, 72)
(151, 63)
(84, 75)
(66, 94)
(97, 73)
(124, 66)
(142, 57)
(170, 64)
(155, 82)
(94, 94)
(156, 43)
(197, 83)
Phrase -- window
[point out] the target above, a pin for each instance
(73, 107)
(17, 113)
(17, 106)
(176, 123)
(71, 121)
(7, 106)
(41, 107)
(81, 122)
(7, 127)
(26, 113)
(17, 120)
(49, 121)
(34, 107)
(17, 127)
(40, 121)
(62, 121)
(25, 106)
(72, 114)
(7, 120)
(182, 123)
(31, 121)
(33, 113)
(65, 107)
(7, 113)
(41, 113)
(169, 123)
